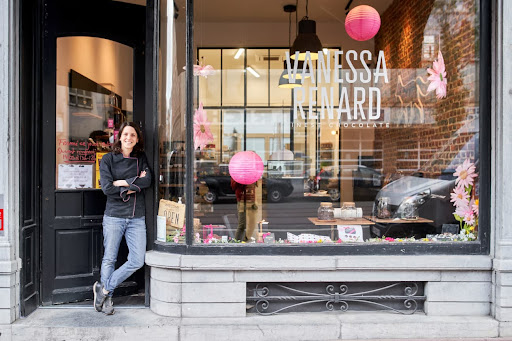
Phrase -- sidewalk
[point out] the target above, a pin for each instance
(73, 324)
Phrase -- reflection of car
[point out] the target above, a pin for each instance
(366, 181)
(430, 197)
(219, 186)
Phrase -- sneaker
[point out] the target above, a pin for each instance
(108, 306)
(99, 296)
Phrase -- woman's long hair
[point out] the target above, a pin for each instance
(139, 146)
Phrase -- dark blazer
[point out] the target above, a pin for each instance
(117, 167)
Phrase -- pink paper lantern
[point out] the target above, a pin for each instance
(362, 23)
(246, 167)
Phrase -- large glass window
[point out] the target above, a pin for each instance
(375, 141)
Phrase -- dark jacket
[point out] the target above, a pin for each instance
(117, 167)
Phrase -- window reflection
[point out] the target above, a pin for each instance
(394, 147)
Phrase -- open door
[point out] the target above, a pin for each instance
(93, 79)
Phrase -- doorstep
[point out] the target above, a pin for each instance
(142, 324)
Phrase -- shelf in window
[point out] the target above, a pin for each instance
(170, 185)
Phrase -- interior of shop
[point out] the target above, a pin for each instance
(362, 138)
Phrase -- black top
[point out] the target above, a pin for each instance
(117, 167)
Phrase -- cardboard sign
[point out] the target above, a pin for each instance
(173, 212)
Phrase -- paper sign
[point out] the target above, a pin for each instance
(111, 123)
(160, 228)
(351, 233)
(173, 212)
(74, 176)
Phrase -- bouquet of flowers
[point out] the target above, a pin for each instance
(463, 198)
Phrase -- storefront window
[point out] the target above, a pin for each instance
(378, 141)
(171, 128)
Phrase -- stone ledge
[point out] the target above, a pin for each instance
(86, 324)
(256, 263)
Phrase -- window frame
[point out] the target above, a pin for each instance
(479, 247)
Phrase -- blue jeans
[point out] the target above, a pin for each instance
(134, 230)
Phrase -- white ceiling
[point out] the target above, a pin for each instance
(271, 10)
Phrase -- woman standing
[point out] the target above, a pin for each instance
(124, 175)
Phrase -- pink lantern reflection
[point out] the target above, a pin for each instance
(362, 23)
(246, 167)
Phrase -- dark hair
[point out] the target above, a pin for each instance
(138, 148)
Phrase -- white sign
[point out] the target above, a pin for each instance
(352, 108)
(351, 233)
(74, 176)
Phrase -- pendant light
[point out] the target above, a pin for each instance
(306, 40)
(283, 80)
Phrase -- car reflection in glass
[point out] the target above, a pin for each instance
(218, 185)
(429, 197)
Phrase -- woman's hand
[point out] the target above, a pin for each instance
(130, 192)
(142, 174)
(120, 183)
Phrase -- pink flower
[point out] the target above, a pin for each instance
(465, 174)
(203, 71)
(202, 132)
(176, 239)
(474, 205)
(459, 197)
(437, 77)
(469, 218)
(466, 214)
(389, 239)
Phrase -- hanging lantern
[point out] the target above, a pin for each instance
(362, 23)
(246, 167)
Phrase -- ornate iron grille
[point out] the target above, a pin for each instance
(275, 298)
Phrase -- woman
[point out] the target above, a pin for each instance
(124, 175)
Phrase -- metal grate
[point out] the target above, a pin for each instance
(275, 298)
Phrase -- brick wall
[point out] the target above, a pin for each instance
(410, 34)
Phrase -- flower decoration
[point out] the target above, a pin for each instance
(459, 197)
(437, 77)
(465, 174)
(466, 210)
(203, 71)
(202, 132)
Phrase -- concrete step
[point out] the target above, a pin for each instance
(142, 324)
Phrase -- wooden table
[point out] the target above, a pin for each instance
(332, 223)
(386, 224)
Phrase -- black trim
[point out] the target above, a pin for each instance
(189, 119)
(480, 247)
(151, 124)
(485, 115)
(384, 248)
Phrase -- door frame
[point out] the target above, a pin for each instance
(39, 49)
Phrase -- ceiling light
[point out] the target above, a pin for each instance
(254, 73)
(306, 40)
(284, 83)
(300, 66)
(239, 53)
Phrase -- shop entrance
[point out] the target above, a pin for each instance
(93, 79)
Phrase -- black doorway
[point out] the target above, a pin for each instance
(71, 217)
